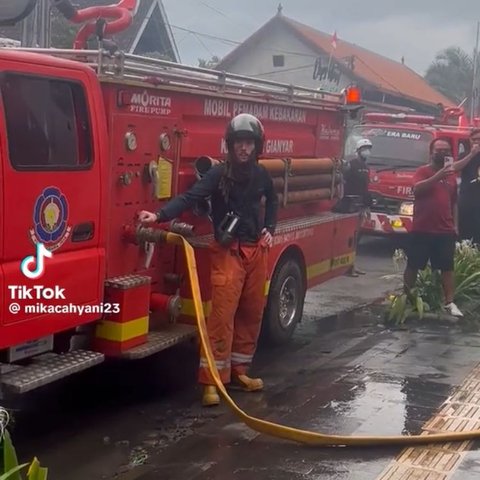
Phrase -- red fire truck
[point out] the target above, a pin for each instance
(91, 137)
(400, 145)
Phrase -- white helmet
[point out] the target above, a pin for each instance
(363, 142)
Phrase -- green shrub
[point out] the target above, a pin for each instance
(428, 294)
(402, 306)
(9, 467)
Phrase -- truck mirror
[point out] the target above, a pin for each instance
(14, 11)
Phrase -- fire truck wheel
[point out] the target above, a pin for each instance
(285, 302)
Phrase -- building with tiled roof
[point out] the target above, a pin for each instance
(149, 32)
(288, 51)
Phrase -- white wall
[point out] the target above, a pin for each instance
(297, 69)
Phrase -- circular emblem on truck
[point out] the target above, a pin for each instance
(50, 216)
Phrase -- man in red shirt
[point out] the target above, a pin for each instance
(434, 230)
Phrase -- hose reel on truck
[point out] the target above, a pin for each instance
(296, 180)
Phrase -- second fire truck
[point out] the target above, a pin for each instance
(401, 145)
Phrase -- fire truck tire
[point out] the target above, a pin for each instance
(285, 302)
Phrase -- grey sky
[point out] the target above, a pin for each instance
(415, 29)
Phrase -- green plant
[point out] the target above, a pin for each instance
(466, 276)
(428, 294)
(9, 467)
(467, 272)
(429, 287)
(404, 305)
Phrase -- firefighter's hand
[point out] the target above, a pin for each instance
(147, 217)
(267, 237)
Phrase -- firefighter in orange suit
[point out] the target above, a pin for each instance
(238, 253)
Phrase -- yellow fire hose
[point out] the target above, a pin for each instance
(282, 431)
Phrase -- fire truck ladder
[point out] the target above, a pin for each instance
(121, 66)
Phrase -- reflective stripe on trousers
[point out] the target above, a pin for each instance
(221, 364)
(238, 278)
(239, 359)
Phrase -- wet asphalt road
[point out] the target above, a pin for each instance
(347, 375)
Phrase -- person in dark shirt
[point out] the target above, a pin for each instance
(357, 173)
(238, 254)
(356, 177)
(469, 195)
(434, 228)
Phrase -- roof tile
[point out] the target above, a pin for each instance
(384, 72)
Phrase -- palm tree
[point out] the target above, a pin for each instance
(451, 73)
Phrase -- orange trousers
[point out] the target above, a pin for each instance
(238, 276)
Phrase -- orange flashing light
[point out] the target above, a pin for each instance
(353, 95)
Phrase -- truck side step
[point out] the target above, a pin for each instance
(161, 340)
(48, 368)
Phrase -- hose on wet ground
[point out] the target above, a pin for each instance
(282, 431)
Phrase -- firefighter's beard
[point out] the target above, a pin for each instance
(242, 168)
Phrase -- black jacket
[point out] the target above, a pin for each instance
(356, 178)
(470, 192)
(244, 200)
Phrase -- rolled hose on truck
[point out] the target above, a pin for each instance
(282, 431)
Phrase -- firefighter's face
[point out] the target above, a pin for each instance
(243, 149)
